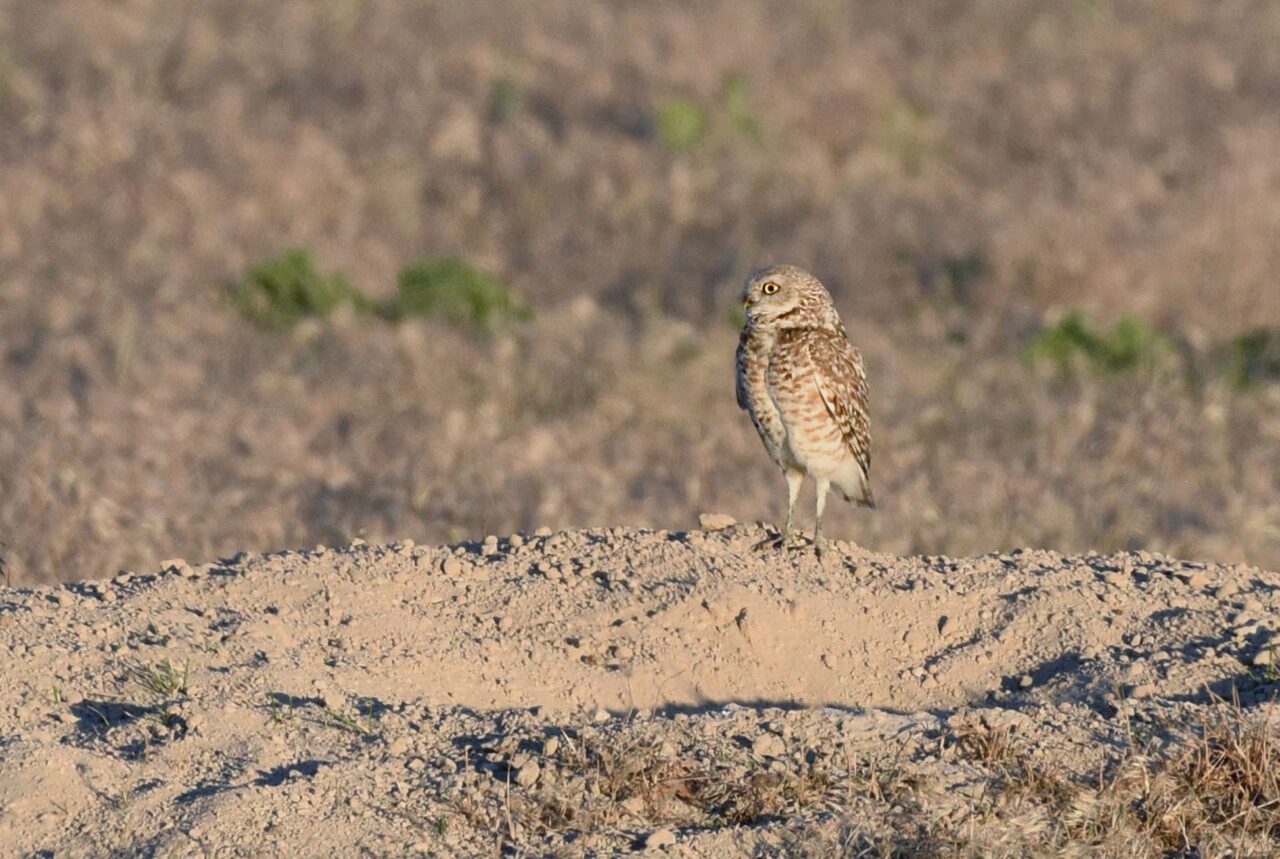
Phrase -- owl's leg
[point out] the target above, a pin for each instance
(820, 542)
(794, 481)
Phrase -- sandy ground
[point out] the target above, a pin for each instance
(488, 698)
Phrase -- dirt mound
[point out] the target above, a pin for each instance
(590, 691)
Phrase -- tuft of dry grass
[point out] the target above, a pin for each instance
(605, 783)
(1216, 792)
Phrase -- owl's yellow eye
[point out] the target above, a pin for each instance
(769, 288)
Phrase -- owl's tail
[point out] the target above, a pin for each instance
(854, 484)
(866, 498)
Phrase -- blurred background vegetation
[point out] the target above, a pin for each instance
(288, 273)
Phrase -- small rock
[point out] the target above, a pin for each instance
(915, 638)
(451, 566)
(1025, 681)
(768, 746)
(1143, 690)
(660, 839)
(178, 566)
(1263, 658)
(1229, 589)
(550, 746)
(527, 775)
(716, 521)
(400, 746)
(600, 715)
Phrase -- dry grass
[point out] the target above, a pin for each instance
(1214, 790)
(633, 782)
(962, 175)
(1214, 793)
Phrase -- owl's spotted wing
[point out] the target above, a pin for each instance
(744, 398)
(842, 383)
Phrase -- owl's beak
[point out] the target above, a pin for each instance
(746, 303)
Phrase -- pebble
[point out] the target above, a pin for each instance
(1196, 580)
(178, 566)
(1263, 658)
(1025, 681)
(660, 839)
(1229, 589)
(769, 746)
(915, 638)
(716, 521)
(600, 715)
(400, 746)
(451, 566)
(527, 775)
(1143, 690)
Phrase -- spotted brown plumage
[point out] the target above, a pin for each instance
(805, 388)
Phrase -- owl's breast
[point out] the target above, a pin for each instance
(811, 437)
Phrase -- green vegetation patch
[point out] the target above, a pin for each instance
(455, 291)
(735, 95)
(1129, 345)
(1255, 357)
(506, 99)
(682, 123)
(290, 288)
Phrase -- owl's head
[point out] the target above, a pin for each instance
(787, 296)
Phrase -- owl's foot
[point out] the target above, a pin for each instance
(820, 546)
(781, 542)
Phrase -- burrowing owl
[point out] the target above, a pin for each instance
(805, 388)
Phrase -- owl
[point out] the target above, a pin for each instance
(804, 386)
